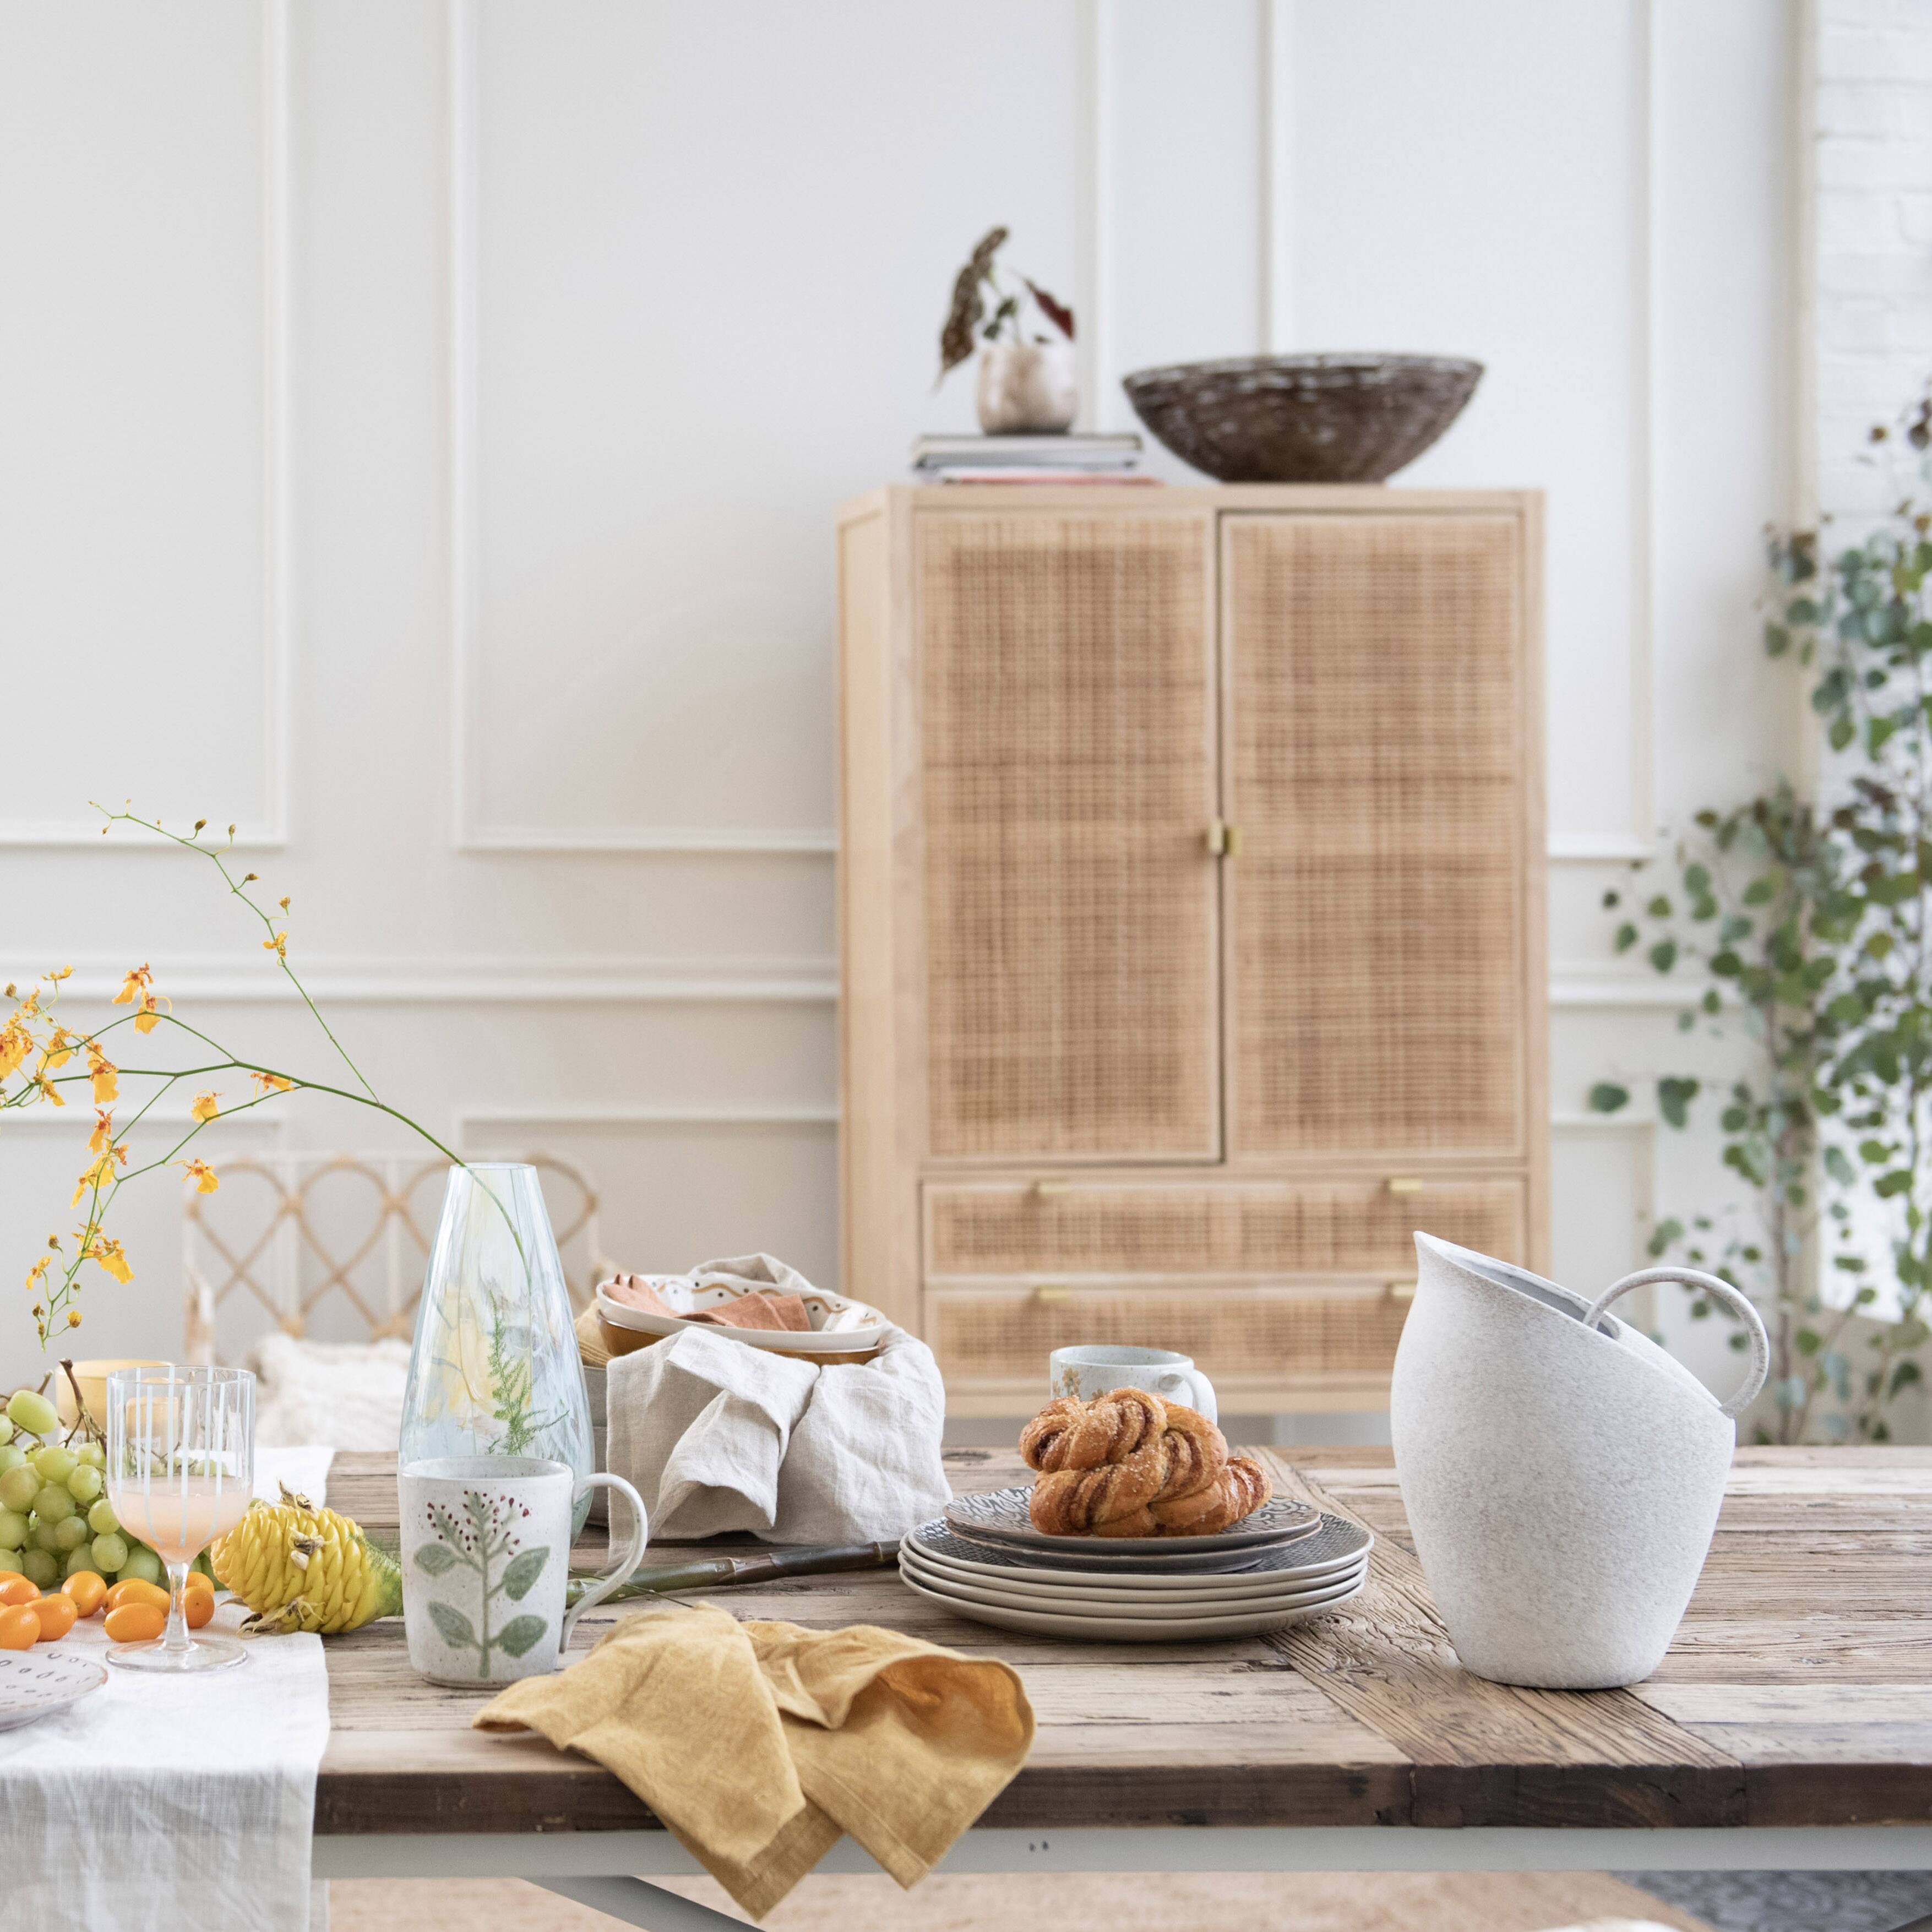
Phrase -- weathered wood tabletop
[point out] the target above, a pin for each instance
(1798, 1691)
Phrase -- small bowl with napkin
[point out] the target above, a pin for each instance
(755, 1299)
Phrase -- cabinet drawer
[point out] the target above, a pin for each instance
(1236, 1335)
(1218, 1229)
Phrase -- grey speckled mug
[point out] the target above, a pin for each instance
(1091, 1370)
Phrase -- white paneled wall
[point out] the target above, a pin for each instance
(437, 408)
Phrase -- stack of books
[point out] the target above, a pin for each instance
(1028, 459)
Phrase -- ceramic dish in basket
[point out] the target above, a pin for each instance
(1001, 1515)
(1020, 1594)
(1336, 1547)
(1126, 1630)
(38, 1682)
(839, 1326)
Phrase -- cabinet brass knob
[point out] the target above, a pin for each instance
(1051, 1291)
(1404, 1183)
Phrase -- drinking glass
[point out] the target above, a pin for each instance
(181, 1470)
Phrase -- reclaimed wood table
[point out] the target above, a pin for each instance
(1789, 1728)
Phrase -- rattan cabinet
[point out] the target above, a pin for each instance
(1191, 920)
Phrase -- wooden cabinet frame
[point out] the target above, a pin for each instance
(886, 1161)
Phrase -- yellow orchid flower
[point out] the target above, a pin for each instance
(48, 1091)
(205, 1106)
(109, 1252)
(38, 1273)
(132, 986)
(58, 1049)
(270, 1083)
(103, 1137)
(149, 1017)
(106, 1086)
(204, 1177)
(60, 973)
(100, 1173)
(16, 1042)
(278, 945)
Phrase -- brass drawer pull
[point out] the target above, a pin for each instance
(1402, 1291)
(1051, 1190)
(1217, 837)
(1404, 1183)
(1052, 1292)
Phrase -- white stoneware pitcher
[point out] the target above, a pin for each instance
(1561, 1473)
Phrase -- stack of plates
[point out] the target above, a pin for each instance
(985, 1560)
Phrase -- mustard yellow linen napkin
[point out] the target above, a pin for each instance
(757, 1744)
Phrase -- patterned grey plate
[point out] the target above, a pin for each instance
(36, 1683)
(1002, 1515)
(1024, 1590)
(1128, 1629)
(1335, 1546)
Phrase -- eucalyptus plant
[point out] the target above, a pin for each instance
(1807, 923)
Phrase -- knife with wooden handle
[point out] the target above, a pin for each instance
(711, 1573)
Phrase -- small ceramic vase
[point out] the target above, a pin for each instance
(1027, 388)
(1561, 1473)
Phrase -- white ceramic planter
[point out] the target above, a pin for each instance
(1027, 388)
(1562, 1474)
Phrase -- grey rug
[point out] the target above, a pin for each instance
(1796, 1901)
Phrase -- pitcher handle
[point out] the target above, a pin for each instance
(1736, 1301)
(622, 1562)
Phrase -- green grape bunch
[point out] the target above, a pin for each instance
(55, 1516)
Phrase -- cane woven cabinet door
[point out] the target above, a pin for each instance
(1069, 772)
(1377, 764)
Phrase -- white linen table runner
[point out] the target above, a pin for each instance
(160, 1802)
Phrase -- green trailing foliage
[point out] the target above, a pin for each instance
(1807, 924)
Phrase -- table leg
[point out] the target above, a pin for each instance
(632, 1902)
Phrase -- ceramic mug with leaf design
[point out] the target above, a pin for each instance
(486, 1560)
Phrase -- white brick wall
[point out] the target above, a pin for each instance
(1873, 178)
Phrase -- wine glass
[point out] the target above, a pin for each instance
(180, 1467)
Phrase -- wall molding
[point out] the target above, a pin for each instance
(587, 979)
(469, 1121)
(1574, 988)
(1094, 191)
(1613, 848)
(479, 980)
(779, 841)
(469, 831)
(1274, 277)
(271, 833)
(1646, 396)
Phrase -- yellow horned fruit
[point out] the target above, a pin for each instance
(301, 1568)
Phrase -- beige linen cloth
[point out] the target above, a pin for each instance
(757, 1744)
(717, 1435)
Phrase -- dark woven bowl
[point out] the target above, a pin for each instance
(1303, 419)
